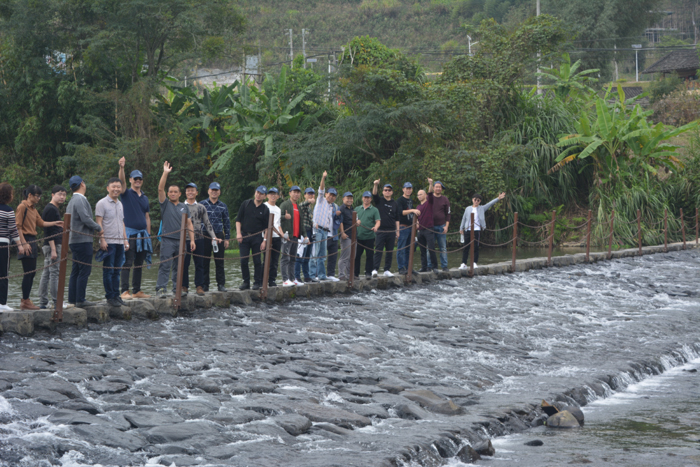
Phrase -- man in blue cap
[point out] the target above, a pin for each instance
(306, 213)
(368, 220)
(323, 225)
(388, 229)
(201, 224)
(137, 219)
(253, 217)
(345, 234)
(292, 229)
(406, 213)
(82, 231)
(221, 223)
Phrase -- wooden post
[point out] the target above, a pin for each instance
(665, 230)
(268, 249)
(353, 249)
(62, 266)
(639, 230)
(683, 228)
(612, 226)
(551, 238)
(588, 237)
(471, 247)
(180, 262)
(411, 251)
(515, 240)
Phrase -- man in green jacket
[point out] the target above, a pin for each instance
(368, 217)
(292, 228)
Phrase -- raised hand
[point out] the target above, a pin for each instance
(376, 182)
(122, 162)
(167, 168)
(430, 181)
(325, 173)
(502, 195)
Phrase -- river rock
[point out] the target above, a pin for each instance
(293, 424)
(106, 387)
(412, 412)
(433, 402)
(562, 419)
(19, 322)
(58, 385)
(148, 419)
(44, 319)
(321, 413)
(97, 314)
(485, 448)
(181, 431)
(393, 385)
(468, 455)
(534, 442)
(71, 417)
(75, 317)
(111, 437)
(142, 309)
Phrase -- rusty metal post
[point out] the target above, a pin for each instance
(177, 301)
(612, 227)
(639, 231)
(268, 249)
(411, 251)
(665, 230)
(515, 240)
(588, 237)
(471, 247)
(353, 248)
(551, 238)
(62, 266)
(683, 228)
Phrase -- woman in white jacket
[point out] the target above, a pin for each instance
(479, 225)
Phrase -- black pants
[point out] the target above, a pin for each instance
(218, 262)
(332, 247)
(251, 246)
(28, 264)
(133, 258)
(4, 271)
(364, 245)
(465, 252)
(426, 240)
(384, 240)
(274, 259)
(79, 273)
(198, 264)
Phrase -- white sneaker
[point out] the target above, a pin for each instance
(296, 282)
(374, 273)
(6, 308)
(388, 274)
(287, 283)
(315, 279)
(475, 266)
(333, 279)
(463, 266)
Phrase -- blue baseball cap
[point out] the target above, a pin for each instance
(136, 174)
(441, 184)
(295, 188)
(407, 185)
(191, 185)
(309, 190)
(366, 194)
(347, 193)
(389, 185)
(75, 182)
(273, 190)
(262, 189)
(332, 191)
(214, 186)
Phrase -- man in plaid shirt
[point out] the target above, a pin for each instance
(220, 222)
(306, 210)
(323, 225)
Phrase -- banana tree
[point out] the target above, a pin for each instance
(619, 141)
(569, 83)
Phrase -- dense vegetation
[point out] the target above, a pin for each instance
(85, 83)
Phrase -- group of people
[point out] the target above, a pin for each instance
(308, 234)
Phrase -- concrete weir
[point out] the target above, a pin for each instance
(26, 322)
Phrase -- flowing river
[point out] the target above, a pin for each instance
(397, 377)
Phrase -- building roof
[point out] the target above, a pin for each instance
(678, 60)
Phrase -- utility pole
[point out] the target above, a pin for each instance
(636, 60)
(617, 74)
(291, 51)
(303, 44)
(539, 91)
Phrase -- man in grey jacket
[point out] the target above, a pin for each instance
(82, 229)
(479, 225)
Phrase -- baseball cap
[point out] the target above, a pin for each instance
(75, 182)
(273, 190)
(214, 186)
(191, 185)
(309, 190)
(366, 194)
(347, 193)
(262, 189)
(295, 188)
(441, 184)
(136, 174)
(389, 185)
(407, 185)
(332, 191)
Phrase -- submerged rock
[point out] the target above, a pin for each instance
(534, 442)
(485, 448)
(468, 455)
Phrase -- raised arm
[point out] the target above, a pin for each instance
(495, 200)
(122, 176)
(167, 168)
(322, 187)
(430, 185)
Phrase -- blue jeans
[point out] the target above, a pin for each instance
(79, 273)
(441, 240)
(317, 267)
(404, 241)
(110, 277)
(302, 264)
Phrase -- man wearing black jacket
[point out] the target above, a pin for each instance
(388, 228)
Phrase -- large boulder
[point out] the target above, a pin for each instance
(563, 419)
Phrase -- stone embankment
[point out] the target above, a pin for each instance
(25, 323)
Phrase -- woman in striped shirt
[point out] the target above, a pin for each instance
(28, 218)
(8, 234)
